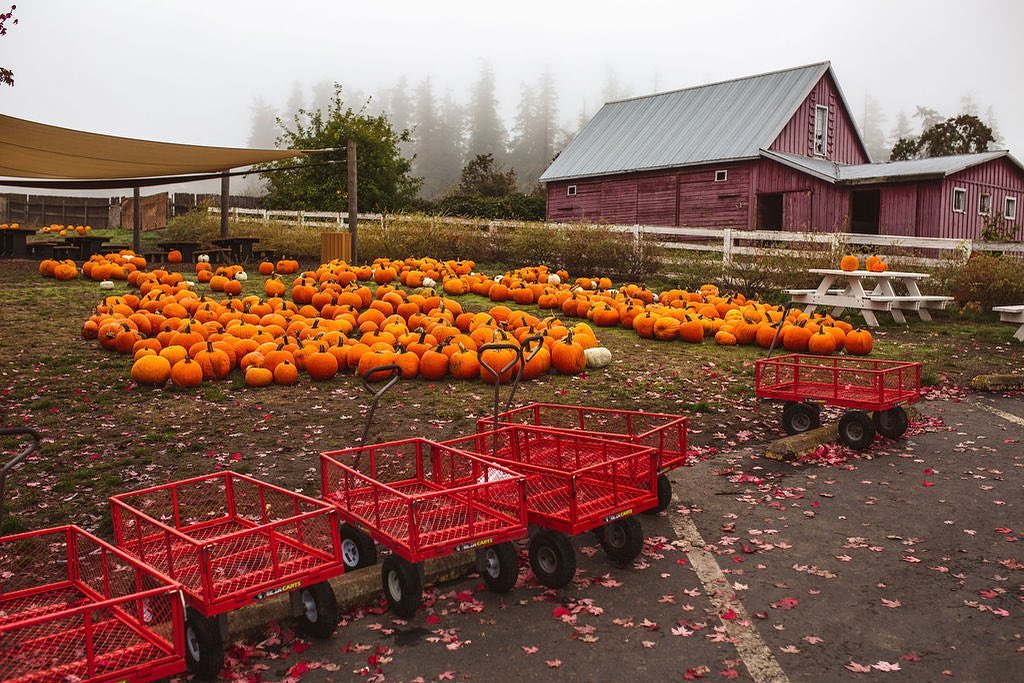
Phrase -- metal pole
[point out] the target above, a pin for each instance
(225, 200)
(136, 220)
(353, 200)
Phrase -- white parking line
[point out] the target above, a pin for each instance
(754, 652)
(1009, 417)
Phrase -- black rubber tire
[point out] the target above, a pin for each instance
(623, 540)
(856, 430)
(403, 585)
(204, 647)
(357, 549)
(552, 559)
(664, 495)
(499, 566)
(320, 615)
(891, 423)
(798, 418)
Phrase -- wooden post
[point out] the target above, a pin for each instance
(136, 220)
(225, 200)
(353, 199)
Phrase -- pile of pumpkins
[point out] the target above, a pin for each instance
(63, 230)
(175, 334)
(873, 263)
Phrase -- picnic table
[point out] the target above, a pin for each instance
(868, 292)
(187, 249)
(14, 243)
(1012, 314)
(87, 245)
(241, 247)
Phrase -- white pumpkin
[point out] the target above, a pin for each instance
(553, 279)
(107, 284)
(656, 297)
(190, 283)
(203, 258)
(429, 282)
(597, 357)
(241, 276)
(497, 278)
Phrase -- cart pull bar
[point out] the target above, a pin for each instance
(395, 375)
(523, 360)
(20, 457)
(778, 330)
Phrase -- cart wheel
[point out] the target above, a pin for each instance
(204, 647)
(552, 558)
(892, 423)
(357, 549)
(319, 610)
(403, 585)
(499, 566)
(664, 495)
(798, 418)
(856, 430)
(623, 539)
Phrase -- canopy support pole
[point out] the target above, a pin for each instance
(136, 220)
(353, 199)
(225, 200)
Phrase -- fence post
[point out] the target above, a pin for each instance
(726, 247)
(636, 232)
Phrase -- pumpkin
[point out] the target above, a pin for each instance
(597, 357)
(107, 284)
(266, 268)
(553, 279)
(203, 258)
(187, 373)
(795, 338)
(241, 276)
(151, 370)
(174, 256)
(493, 362)
(214, 362)
(463, 364)
(321, 365)
(286, 373)
(568, 356)
(691, 331)
(859, 342)
(821, 343)
(434, 364)
(256, 376)
(849, 263)
(725, 338)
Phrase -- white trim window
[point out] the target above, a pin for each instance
(959, 200)
(1010, 208)
(570, 191)
(820, 130)
(985, 204)
(721, 176)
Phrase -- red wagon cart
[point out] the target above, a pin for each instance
(74, 608)
(574, 483)
(421, 500)
(231, 540)
(861, 385)
(665, 433)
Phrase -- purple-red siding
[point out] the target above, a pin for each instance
(843, 144)
(999, 178)
(820, 206)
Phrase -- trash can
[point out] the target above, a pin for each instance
(335, 245)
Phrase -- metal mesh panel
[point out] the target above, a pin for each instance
(112, 617)
(838, 379)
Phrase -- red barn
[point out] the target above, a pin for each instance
(777, 151)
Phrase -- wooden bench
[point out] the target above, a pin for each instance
(219, 255)
(154, 256)
(1012, 314)
(804, 292)
(41, 250)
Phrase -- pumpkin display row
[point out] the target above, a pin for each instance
(174, 334)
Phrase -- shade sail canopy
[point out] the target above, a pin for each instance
(36, 150)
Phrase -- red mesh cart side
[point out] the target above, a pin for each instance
(663, 432)
(421, 500)
(231, 540)
(73, 607)
(574, 483)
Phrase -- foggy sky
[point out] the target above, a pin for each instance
(188, 71)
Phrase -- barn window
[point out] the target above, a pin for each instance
(570, 191)
(721, 176)
(984, 204)
(959, 200)
(820, 130)
(1010, 208)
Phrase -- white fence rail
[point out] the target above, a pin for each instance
(729, 242)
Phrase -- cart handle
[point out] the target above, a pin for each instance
(19, 458)
(778, 330)
(524, 359)
(500, 346)
(395, 371)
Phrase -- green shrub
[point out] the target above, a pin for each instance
(988, 281)
(298, 241)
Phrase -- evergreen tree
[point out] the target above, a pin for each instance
(902, 129)
(398, 107)
(871, 128)
(264, 130)
(295, 102)
(613, 89)
(486, 131)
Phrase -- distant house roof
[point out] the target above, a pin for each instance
(715, 122)
(852, 174)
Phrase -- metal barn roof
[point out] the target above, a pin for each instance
(728, 120)
(891, 170)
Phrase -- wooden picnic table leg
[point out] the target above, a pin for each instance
(855, 288)
(885, 288)
(914, 290)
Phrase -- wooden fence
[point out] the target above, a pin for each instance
(729, 242)
(32, 210)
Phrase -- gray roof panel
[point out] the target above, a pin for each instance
(857, 173)
(729, 120)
